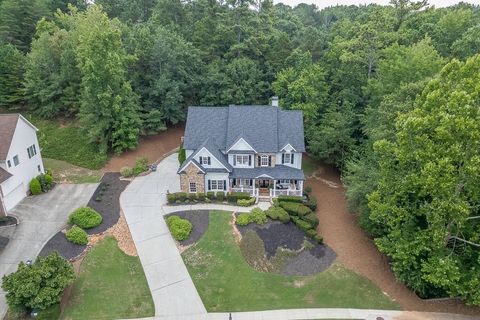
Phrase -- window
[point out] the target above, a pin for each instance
(39, 168)
(243, 160)
(193, 187)
(244, 182)
(205, 160)
(31, 151)
(9, 164)
(216, 184)
(16, 162)
(264, 161)
(287, 158)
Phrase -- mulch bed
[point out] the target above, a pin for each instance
(3, 242)
(276, 234)
(106, 201)
(64, 247)
(199, 220)
(7, 221)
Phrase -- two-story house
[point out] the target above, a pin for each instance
(20, 159)
(255, 149)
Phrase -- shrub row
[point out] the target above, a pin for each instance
(219, 196)
(286, 198)
(278, 213)
(295, 208)
(246, 202)
(180, 228)
(41, 183)
(256, 215)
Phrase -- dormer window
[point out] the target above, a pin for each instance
(264, 161)
(287, 158)
(204, 160)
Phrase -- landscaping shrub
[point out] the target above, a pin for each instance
(303, 210)
(311, 203)
(171, 198)
(35, 186)
(243, 219)
(192, 196)
(180, 228)
(201, 196)
(308, 190)
(290, 198)
(246, 202)
(49, 180)
(312, 219)
(77, 235)
(39, 285)
(311, 233)
(182, 196)
(278, 213)
(141, 165)
(220, 196)
(303, 224)
(126, 172)
(235, 196)
(85, 218)
(211, 195)
(318, 238)
(182, 156)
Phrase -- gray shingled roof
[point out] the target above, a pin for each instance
(266, 128)
(278, 172)
(8, 124)
(213, 148)
(4, 175)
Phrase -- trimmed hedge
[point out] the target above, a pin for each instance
(295, 208)
(180, 228)
(235, 196)
(211, 195)
(141, 165)
(126, 172)
(35, 186)
(312, 233)
(312, 219)
(220, 195)
(311, 203)
(302, 224)
(246, 202)
(256, 215)
(286, 198)
(85, 218)
(77, 235)
(278, 213)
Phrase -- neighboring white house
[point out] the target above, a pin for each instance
(255, 149)
(20, 159)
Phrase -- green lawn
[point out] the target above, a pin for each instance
(64, 172)
(227, 283)
(111, 285)
(67, 142)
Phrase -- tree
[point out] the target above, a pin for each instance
(11, 71)
(40, 285)
(469, 44)
(428, 194)
(109, 108)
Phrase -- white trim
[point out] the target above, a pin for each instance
(28, 122)
(264, 176)
(212, 156)
(186, 165)
(262, 157)
(288, 144)
(243, 141)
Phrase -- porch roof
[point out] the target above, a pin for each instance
(277, 172)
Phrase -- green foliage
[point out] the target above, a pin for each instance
(295, 208)
(181, 155)
(12, 67)
(243, 219)
(235, 196)
(303, 225)
(211, 195)
(85, 217)
(428, 182)
(48, 179)
(39, 285)
(180, 228)
(220, 196)
(35, 186)
(246, 202)
(126, 172)
(286, 198)
(278, 213)
(256, 215)
(77, 235)
(141, 165)
(311, 203)
(312, 219)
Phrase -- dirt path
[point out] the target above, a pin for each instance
(357, 251)
(153, 147)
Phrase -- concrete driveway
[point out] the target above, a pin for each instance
(40, 218)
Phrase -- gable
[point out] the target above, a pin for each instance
(214, 162)
(241, 145)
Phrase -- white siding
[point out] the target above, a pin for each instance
(15, 188)
(214, 163)
(216, 176)
(252, 162)
(241, 144)
(297, 162)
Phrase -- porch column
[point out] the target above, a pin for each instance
(274, 188)
(253, 187)
(301, 187)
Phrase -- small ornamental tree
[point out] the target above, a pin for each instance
(182, 156)
(40, 285)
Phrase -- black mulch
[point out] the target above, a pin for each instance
(7, 221)
(3, 242)
(106, 201)
(276, 234)
(199, 220)
(64, 247)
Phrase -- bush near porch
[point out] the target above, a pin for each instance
(239, 198)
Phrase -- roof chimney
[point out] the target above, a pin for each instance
(275, 101)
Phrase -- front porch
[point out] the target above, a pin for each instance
(267, 187)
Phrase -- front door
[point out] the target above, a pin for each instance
(264, 183)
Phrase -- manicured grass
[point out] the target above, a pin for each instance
(111, 285)
(309, 165)
(66, 141)
(64, 172)
(227, 283)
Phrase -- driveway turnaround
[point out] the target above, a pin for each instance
(40, 217)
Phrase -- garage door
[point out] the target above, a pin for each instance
(14, 197)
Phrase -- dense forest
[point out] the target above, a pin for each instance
(390, 95)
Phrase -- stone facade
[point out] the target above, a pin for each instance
(192, 174)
